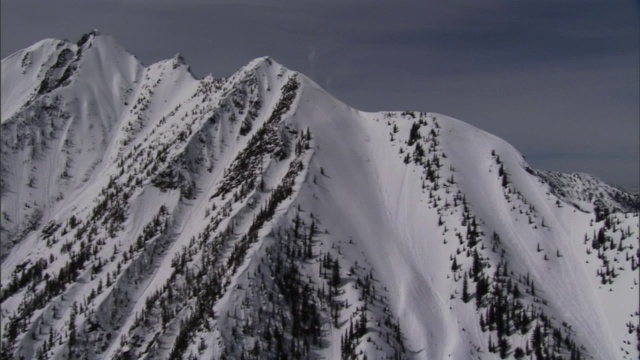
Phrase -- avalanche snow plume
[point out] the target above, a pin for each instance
(148, 214)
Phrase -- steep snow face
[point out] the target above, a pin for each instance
(58, 120)
(540, 229)
(25, 70)
(149, 214)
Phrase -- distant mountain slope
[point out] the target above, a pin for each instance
(584, 190)
(150, 214)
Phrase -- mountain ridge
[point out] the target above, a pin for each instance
(169, 198)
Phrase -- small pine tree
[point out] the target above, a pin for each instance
(504, 347)
(335, 277)
(362, 324)
(505, 181)
(414, 133)
(519, 353)
(477, 266)
(465, 289)
(72, 325)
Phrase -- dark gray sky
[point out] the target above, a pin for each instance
(557, 79)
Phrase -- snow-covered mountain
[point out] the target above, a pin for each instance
(150, 214)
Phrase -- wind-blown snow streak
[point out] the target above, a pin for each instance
(149, 214)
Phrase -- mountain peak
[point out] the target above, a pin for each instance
(88, 36)
(146, 213)
(260, 61)
(178, 58)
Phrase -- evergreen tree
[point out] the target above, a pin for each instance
(505, 181)
(335, 276)
(519, 353)
(476, 266)
(533, 289)
(465, 289)
(72, 325)
(504, 347)
(362, 324)
(414, 133)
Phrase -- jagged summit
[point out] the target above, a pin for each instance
(179, 59)
(88, 37)
(150, 214)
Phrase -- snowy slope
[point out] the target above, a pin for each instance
(150, 214)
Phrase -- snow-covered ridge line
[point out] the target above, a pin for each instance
(583, 190)
(150, 214)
